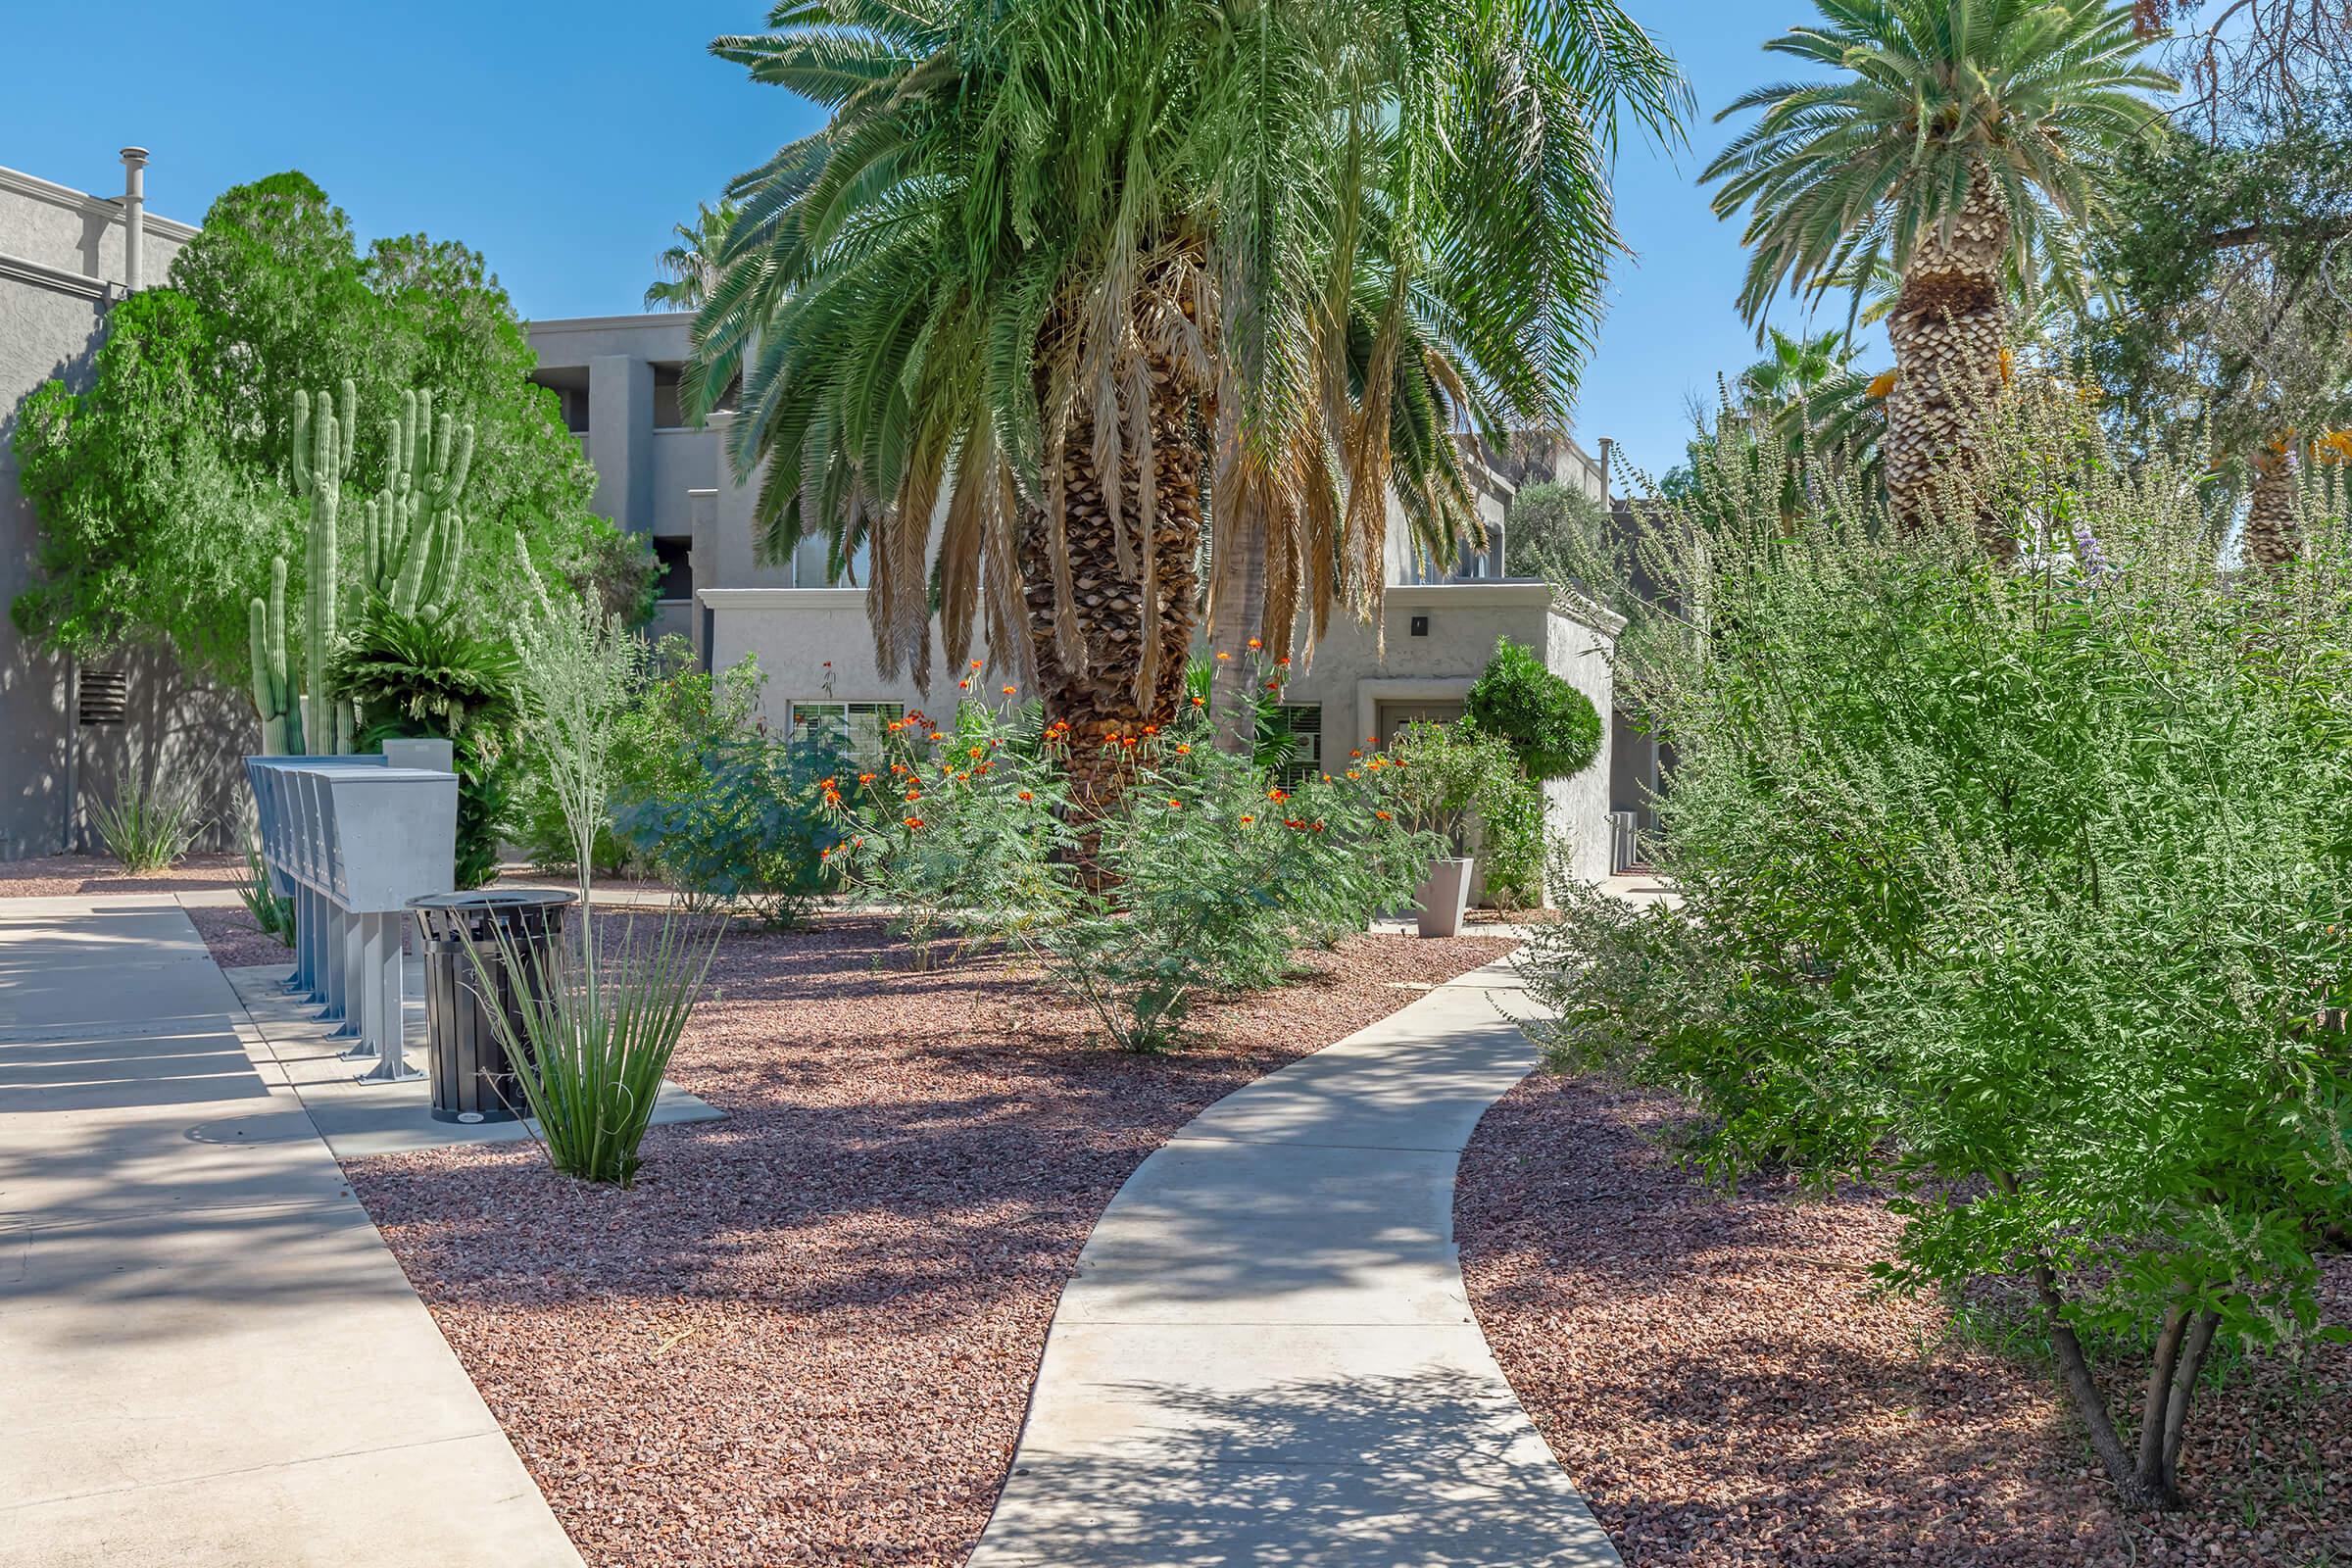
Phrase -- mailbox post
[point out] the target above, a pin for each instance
(361, 839)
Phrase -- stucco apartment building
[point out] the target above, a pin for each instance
(67, 258)
(617, 379)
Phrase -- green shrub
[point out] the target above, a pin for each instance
(2022, 891)
(145, 827)
(1463, 784)
(1207, 876)
(424, 675)
(1550, 724)
(752, 831)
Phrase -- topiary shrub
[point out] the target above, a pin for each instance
(1549, 723)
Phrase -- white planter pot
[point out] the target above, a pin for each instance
(1443, 896)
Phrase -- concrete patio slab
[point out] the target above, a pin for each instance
(1267, 1355)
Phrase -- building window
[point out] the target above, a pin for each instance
(668, 413)
(856, 729)
(677, 569)
(1303, 722)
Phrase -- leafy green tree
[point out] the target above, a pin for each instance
(2232, 326)
(1554, 728)
(1075, 266)
(1960, 142)
(150, 529)
(161, 489)
(1549, 527)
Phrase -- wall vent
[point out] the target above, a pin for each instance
(105, 696)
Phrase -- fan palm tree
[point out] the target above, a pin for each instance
(1082, 267)
(1961, 142)
(689, 267)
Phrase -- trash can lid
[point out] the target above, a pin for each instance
(497, 899)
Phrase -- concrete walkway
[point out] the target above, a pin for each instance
(1267, 1355)
(209, 1356)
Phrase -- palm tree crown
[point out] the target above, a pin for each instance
(691, 266)
(1080, 265)
(1936, 105)
(1960, 145)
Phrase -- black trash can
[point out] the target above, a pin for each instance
(473, 1080)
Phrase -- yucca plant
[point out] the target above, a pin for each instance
(273, 913)
(145, 827)
(592, 1044)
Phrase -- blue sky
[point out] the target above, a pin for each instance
(563, 141)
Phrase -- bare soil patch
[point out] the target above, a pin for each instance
(1720, 1378)
(808, 1335)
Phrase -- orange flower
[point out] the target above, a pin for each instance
(865, 778)
(1255, 643)
(964, 684)
(1175, 805)
(977, 751)
(1200, 702)
(915, 821)
(1354, 773)
(824, 784)
(913, 795)
(1025, 795)
(1273, 685)
(1277, 794)
(1224, 656)
(1246, 820)
(1383, 816)
(1126, 740)
(1151, 729)
(976, 664)
(1184, 750)
(1356, 753)
(857, 844)
(1283, 662)
(1008, 691)
(1319, 824)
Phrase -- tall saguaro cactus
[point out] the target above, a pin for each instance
(412, 538)
(415, 534)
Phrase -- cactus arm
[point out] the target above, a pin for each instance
(302, 442)
(347, 425)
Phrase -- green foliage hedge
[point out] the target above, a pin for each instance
(1549, 723)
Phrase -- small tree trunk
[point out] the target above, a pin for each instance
(2074, 1367)
(2184, 1386)
(1241, 572)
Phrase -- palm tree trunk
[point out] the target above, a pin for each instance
(1100, 694)
(1950, 321)
(1241, 595)
(2274, 538)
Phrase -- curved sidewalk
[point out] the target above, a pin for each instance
(1267, 1356)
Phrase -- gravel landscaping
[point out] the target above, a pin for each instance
(808, 1335)
(1718, 1376)
(75, 875)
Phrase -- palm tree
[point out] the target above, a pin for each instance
(1961, 142)
(1084, 267)
(689, 267)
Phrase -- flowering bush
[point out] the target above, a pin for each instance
(1205, 876)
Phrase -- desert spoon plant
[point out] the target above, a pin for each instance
(594, 1037)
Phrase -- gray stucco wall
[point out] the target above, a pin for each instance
(60, 267)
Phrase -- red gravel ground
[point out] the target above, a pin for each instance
(69, 875)
(235, 939)
(1718, 1376)
(807, 1336)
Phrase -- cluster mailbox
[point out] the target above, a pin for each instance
(352, 840)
